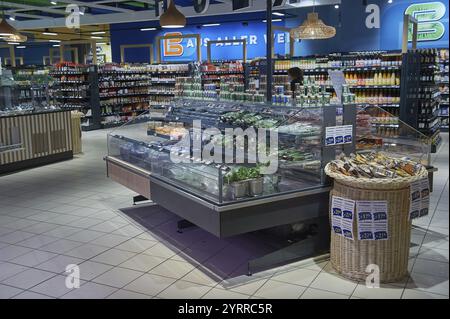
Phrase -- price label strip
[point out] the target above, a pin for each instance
(342, 212)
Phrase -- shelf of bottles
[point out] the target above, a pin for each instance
(373, 77)
(429, 96)
(128, 90)
(442, 82)
(70, 86)
(31, 84)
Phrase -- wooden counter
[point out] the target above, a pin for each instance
(34, 139)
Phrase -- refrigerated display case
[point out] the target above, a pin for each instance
(163, 159)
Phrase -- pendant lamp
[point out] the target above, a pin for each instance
(6, 29)
(172, 18)
(313, 28)
(15, 38)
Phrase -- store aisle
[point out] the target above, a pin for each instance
(68, 213)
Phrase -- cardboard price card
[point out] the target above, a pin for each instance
(342, 214)
(372, 220)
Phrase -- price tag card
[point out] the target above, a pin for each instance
(424, 197)
(372, 220)
(336, 214)
(338, 135)
(348, 213)
(380, 220)
(329, 135)
(342, 212)
(365, 218)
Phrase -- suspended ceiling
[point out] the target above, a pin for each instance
(38, 14)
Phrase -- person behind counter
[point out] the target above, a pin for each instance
(295, 76)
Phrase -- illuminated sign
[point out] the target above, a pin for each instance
(428, 16)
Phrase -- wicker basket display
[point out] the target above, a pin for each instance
(350, 258)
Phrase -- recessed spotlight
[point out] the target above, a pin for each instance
(390, 1)
(99, 38)
(279, 14)
(148, 29)
(21, 47)
(49, 33)
(12, 18)
(336, 6)
(56, 41)
(98, 32)
(211, 24)
(54, 3)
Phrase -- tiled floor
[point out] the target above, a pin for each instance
(68, 213)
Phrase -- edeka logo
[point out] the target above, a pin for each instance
(173, 47)
(428, 15)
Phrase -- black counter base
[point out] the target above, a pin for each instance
(35, 162)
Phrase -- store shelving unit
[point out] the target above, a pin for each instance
(374, 77)
(74, 87)
(443, 83)
(127, 91)
(420, 95)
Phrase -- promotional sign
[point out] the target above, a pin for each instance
(338, 135)
(372, 220)
(184, 49)
(428, 16)
(342, 212)
(419, 203)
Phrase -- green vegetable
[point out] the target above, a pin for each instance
(241, 174)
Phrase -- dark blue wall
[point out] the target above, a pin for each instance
(349, 20)
(351, 31)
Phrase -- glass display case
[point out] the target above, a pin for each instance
(379, 130)
(227, 152)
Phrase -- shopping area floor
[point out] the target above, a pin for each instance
(68, 213)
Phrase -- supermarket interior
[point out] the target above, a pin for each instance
(224, 149)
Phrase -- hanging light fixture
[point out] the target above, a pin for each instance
(5, 28)
(172, 18)
(313, 28)
(16, 38)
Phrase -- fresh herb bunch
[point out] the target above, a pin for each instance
(241, 174)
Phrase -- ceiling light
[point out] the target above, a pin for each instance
(211, 24)
(390, 1)
(12, 18)
(99, 38)
(98, 32)
(54, 3)
(313, 28)
(14, 43)
(16, 38)
(172, 18)
(57, 41)
(101, 43)
(336, 6)
(56, 45)
(279, 14)
(6, 29)
(21, 47)
(274, 20)
(148, 29)
(49, 33)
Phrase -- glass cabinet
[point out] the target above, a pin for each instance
(226, 152)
